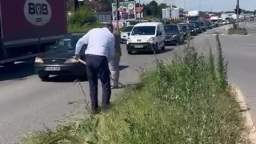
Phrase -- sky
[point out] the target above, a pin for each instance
(210, 5)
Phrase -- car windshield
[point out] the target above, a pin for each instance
(169, 29)
(183, 27)
(197, 25)
(67, 43)
(127, 29)
(144, 30)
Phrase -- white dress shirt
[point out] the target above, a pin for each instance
(99, 41)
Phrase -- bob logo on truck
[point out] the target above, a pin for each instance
(37, 12)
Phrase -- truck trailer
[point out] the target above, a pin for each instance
(27, 27)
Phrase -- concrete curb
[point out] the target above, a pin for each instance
(249, 125)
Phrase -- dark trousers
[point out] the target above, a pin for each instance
(97, 67)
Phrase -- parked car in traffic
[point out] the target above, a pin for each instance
(184, 27)
(125, 32)
(174, 35)
(197, 26)
(203, 26)
(58, 60)
(148, 36)
(209, 24)
(193, 29)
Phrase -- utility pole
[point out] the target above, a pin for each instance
(140, 11)
(237, 13)
(117, 15)
(76, 5)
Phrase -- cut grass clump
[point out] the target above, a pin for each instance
(238, 31)
(183, 102)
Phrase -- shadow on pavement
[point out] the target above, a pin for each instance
(16, 71)
(151, 53)
(122, 67)
(64, 78)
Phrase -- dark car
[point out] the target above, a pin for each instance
(193, 29)
(184, 27)
(203, 26)
(209, 25)
(173, 34)
(197, 26)
(58, 60)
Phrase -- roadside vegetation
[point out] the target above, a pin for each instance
(187, 100)
(237, 30)
(82, 20)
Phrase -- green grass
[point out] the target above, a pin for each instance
(182, 102)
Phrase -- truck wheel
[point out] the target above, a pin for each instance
(43, 76)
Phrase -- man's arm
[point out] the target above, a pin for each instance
(80, 43)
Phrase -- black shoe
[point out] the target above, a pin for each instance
(105, 108)
(95, 111)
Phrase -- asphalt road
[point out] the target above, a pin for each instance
(27, 104)
(240, 55)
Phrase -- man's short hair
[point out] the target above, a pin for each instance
(109, 26)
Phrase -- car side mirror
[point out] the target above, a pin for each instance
(159, 33)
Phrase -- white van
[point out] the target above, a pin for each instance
(148, 36)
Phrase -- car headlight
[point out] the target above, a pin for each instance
(39, 60)
(128, 41)
(71, 60)
(151, 40)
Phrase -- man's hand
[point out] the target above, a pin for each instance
(76, 57)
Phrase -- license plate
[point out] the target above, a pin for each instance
(52, 68)
(138, 46)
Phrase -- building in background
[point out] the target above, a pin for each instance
(175, 13)
(104, 17)
(166, 13)
(139, 9)
(126, 10)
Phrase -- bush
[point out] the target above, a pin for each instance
(237, 30)
(82, 20)
(82, 16)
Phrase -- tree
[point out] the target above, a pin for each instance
(151, 9)
(154, 9)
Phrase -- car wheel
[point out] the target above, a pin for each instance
(156, 49)
(43, 76)
(130, 52)
(163, 48)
